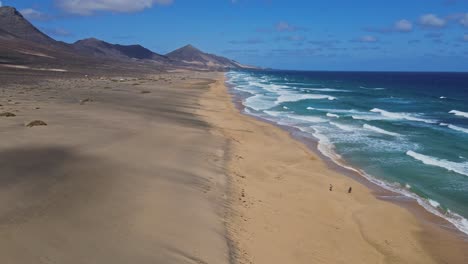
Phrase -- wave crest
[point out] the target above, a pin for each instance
(459, 113)
(379, 130)
(458, 167)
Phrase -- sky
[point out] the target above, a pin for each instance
(368, 35)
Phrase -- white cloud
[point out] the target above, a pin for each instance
(33, 14)
(464, 20)
(431, 20)
(284, 26)
(88, 7)
(367, 39)
(403, 26)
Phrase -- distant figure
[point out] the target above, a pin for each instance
(350, 189)
(331, 187)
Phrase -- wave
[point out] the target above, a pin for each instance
(369, 117)
(273, 113)
(459, 113)
(458, 167)
(312, 119)
(327, 149)
(310, 108)
(344, 127)
(289, 115)
(342, 111)
(333, 115)
(400, 116)
(259, 102)
(379, 130)
(292, 97)
(377, 88)
(327, 90)
(460, 129)
(244, 89)
(457, 128)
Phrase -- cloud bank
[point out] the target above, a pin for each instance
(89, 7)
(33, 14)
(432, 21)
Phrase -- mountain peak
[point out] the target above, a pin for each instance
(12, 22)
(88, 41)
(190, 47)
(189, 55)
(8, 10)
(99, 47)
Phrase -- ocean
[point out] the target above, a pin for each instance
(405, 131)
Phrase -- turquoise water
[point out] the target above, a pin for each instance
(407, 132)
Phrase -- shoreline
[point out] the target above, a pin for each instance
(409, 201)
(452, 247)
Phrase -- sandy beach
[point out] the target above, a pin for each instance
(164, 169)
(282, 210)
(124, 172)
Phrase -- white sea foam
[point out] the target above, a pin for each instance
(379, 130)
(460, 129)
(285, 107)
(244, 89)
(340, 111)
(273, 113)
(327, 90)
(370, 117)
(310, 108)
(457, 128)
(442, 97)
(333, 115)
(312, 119)
(458, 167)
(433, 203)
(259, 102)
(294, 97)
(324, 145)
(343, 127)
(400, 116)
(459, 113)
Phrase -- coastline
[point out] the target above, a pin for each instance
(165, 168)
(280, 203)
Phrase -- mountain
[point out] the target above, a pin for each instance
(191, 56)
(101, 48)
(14, 24)
(23, 46)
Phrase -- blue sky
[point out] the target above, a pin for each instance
(404, 35)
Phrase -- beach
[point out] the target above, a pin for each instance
(164, 168)
(282, 210)
(124, 172)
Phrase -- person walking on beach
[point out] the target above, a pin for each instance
(350, 189)
(331, 187)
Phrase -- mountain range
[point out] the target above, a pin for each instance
(23, 45)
